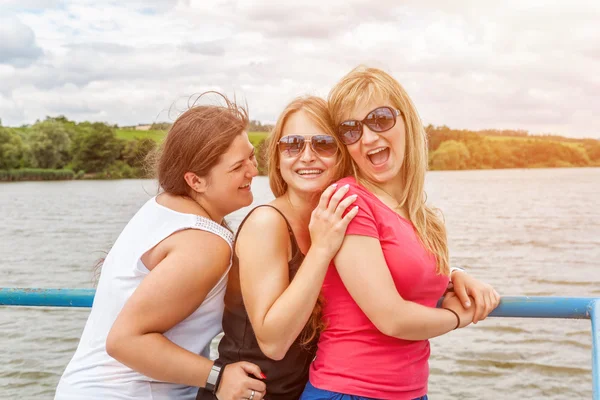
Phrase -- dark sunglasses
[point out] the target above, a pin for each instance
(380, 119)
(292, 145)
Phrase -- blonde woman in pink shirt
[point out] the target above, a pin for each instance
(380, 294)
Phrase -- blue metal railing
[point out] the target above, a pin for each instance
(510, 306)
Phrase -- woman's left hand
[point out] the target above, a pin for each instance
(484, 295)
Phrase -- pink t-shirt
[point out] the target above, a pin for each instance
(353, 357)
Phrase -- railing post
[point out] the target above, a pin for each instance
(595, 317)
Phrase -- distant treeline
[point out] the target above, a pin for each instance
(255, 126)
(57, 148)
(451, 149)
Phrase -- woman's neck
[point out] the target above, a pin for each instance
(208, 210)
(301, 205)
(390, 193)
(392, 189)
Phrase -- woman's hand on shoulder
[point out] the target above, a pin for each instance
(483, 294)
(328, 223)
(236, 382)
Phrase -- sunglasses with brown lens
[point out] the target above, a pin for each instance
(293, 145)
(380, 119)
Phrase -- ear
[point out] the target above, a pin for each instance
(196, 183)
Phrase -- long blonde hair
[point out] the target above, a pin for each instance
(364, 84)
(317, 110)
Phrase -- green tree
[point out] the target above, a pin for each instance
(95, 147)
(49, 144)
(135, 152)
(11, 149)
(451, 154)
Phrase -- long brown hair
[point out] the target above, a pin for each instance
(317, 110)
(196, 142)
(363, 84)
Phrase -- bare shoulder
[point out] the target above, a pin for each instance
(266, 221)
(199, 247)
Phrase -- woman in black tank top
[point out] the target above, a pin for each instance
(282, 252)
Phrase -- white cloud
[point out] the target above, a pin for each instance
(18, 46)
(470, 64)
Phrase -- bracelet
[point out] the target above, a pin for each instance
(214, 376)
(457, 317)
(219, 379)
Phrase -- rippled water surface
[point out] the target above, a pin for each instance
(527, 232)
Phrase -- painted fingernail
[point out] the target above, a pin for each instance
(263, 376)
(333, 184)
(346, 186)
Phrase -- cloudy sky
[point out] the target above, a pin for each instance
(479, 64)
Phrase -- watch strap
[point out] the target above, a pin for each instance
(214, 376)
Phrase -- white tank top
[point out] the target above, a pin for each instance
(92, 373)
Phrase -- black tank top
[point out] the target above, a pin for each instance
(286, 378)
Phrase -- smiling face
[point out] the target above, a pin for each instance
(379, 156)
(229, 180)
(307, 172)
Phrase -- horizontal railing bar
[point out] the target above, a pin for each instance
(46, 297)
(544, 307)
(510, 306)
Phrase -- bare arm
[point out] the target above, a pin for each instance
(363, 269)
(279, 309)
(171, 292)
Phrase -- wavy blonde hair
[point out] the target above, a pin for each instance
(363, 85)
(317, 110)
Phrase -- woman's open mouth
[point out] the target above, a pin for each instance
(379, 156)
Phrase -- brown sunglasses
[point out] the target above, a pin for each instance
(380, 119)
(293, 145)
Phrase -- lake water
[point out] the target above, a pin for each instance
(527, 232)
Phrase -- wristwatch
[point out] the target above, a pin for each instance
(213, 376)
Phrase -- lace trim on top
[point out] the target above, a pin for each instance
(211, 226)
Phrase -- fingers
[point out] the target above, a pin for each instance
(253, 394)
(325, 196)
(348, 217)
(252, 369)
(461, 291)
(497, 299)
(479, 307)
(491, 300)
(337, 197)
(490, 303)
(343, 205)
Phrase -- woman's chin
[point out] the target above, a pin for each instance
(309, 187)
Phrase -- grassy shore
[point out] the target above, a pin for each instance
(36, 174)
(158, 136)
